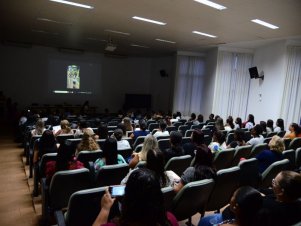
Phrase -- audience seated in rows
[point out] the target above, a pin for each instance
(271, 155)
(65, 161)
(162, 132)
(65, 128)
(176, 146)
(202, 168)
(142, 203)
(110, 154)
(87, 143)
(256, 132)
(150, 143)
(218, 142)
(211, 118)
(82, 127)
(39, 128)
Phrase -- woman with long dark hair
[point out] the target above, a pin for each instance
(142, 203)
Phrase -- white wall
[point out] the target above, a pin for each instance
(266, 95)
(24, 78)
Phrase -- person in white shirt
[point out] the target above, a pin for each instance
(257, 137)
(279, 125)
(250, 123)
(162, 132)
(121, 144)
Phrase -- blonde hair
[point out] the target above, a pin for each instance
(88, 143)
(65, 126)
(277, 144)
(127, 124)
(150, 143)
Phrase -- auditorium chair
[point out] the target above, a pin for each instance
(249, 174)
(241, 152)
(295, 143)
(178, 164)
(168, 195)
(223, 159)
(291, 156)
(258, 149)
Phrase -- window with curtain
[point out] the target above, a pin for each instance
(188, 84)
(232, 84)
(291, 100)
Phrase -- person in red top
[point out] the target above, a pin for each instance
(65, 161)
(142, 203)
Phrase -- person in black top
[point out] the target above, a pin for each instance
(176, 146)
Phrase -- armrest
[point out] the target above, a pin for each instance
(45, 197)
(60, 219)
(92, 172)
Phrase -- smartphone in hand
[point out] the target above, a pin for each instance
(116, 190)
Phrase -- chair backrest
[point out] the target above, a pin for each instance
(271, 134)
(141, 164)
(192, 198)
(152, 126)
(138, 141)
(298, 157)
(89, 156)
(101, 142)
(154, 131)
(281, 133)
(46, 158)
(295, 143)
(183, 129)
(247, 135)
(73, 142)
(168, 195)
(64, 183)
(271, 172)
(291, 156)
(188, 132)
(207, 139)
(150, 122)
(138, 148)
(177, 124)
(249, 174)
(189, 124)
(178, 164)
(111, 174)
(241, 152)
(126, 153)
(84, 206)
(62, 138)
(287, 142)
(171, 128)
(223, 159)
(267, 140)
(206, 131)
(257, 149)
(163, 144)
(230, 138)
(186, 140)
(226, 182)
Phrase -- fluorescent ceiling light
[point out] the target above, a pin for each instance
(140, 46)
(44, 32)
(148, 20)
(117, 32)
(53, 21)
(73, 4)
(163, 40)
(211, 4)
(263, 23)
(204, 34)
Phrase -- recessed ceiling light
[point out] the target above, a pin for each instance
(204, 34)
(73, 4)
(163, 40)
(117, 32)
(148, 20)
(140, 46)
(263, 23)
(211, 4)
(52, 21)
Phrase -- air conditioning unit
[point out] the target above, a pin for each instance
(110, 47)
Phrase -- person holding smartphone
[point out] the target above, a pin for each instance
(142, 203)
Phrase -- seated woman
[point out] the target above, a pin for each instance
(141, 131)
(176, 146)
(155, 162)
(218, 142)
(267, 157)
(102, 131)
(245, 206)
(121, 144)
(162, 132)
(229, 124)
(127, 123)
(65, 128)
(279, 125)
(256, 132)
(270, 126)
(238, 139)
(197, 138)
(250, 123)
(238, 123)
(150, 143)
(65, 161)
(293, 131)
(110, 155)
(142, 203)
(39, 128)
(202, 168)
(219, 124)
(87, 143)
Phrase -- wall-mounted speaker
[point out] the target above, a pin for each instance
(253, 72)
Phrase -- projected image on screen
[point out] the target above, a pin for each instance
(73, 79)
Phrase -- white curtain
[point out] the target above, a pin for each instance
(188, 84)
(232, 84)
(291, 100)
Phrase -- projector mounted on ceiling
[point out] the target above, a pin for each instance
(110, 47)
